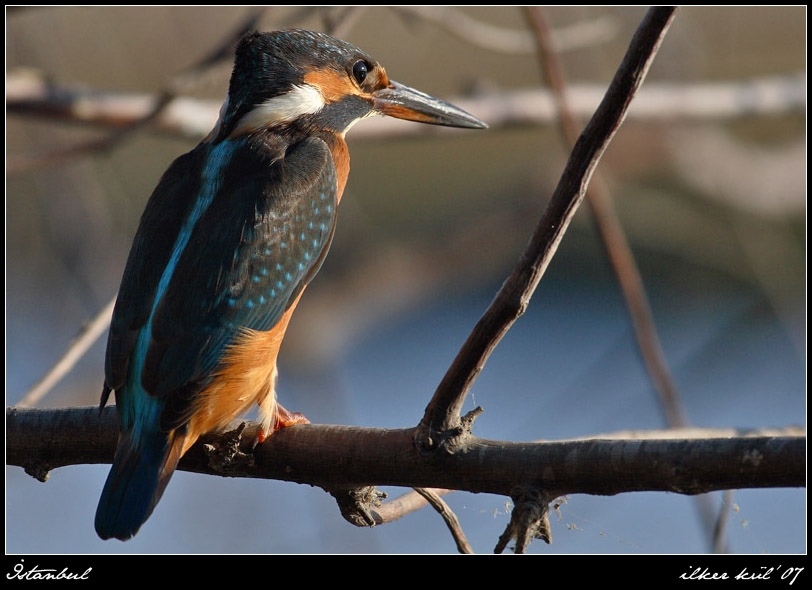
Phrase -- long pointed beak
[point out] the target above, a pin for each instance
(402, 102)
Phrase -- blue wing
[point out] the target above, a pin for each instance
(259, 241)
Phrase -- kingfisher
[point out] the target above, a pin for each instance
(228, 241)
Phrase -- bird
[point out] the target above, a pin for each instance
(230, 238)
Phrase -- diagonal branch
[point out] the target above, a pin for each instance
(450, 519)
(87, 336)
(622, 261)
(443, 412)
(613, 237)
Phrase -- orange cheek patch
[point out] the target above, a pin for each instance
(333, 85)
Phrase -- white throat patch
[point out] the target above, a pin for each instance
(301, 100)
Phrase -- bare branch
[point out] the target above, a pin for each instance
(338, 21)
(442, 413)
(450, 519)
(411, 501)
(86, 337)
(529, 519)
(613, 236)
(28, 95)
(341, 456)
(511, 41)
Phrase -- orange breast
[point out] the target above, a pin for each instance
(341, 159)
(248, 370)
(247, 376)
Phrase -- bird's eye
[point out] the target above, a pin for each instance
(359, 71)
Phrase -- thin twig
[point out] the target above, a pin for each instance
(719, 537)
(443, 412)
(612, 234)
(451, 520)
(512, 41)
(397, 508)
(339, 21)
(405, 504)
(88, 335)
(620, 257)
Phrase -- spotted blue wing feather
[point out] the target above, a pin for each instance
(247, 260)
(216, 253)
(159, 228)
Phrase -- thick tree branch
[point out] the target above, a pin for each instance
(349, 457)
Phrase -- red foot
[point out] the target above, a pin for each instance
(282, 419)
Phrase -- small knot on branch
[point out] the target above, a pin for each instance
(529, 519)
(225, 453)
(39, 471)
(467, 421)
(451, 440)
(356, 504)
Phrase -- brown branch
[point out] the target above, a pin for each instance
(331, 456)
(612, 234)
(623, 262)
(411, 501)
(450, 519)
(443, 412)
(529, 519)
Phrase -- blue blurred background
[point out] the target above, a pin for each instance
(714, 207)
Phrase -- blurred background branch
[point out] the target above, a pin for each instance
(28, 94)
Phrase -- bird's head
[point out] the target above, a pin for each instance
(297, 77)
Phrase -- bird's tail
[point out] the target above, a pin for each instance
(141, 469)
